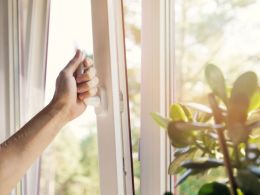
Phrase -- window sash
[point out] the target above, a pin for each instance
(113, 127)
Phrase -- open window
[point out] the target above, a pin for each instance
(92, 155)
(103, 137)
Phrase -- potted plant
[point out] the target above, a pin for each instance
(222, 133)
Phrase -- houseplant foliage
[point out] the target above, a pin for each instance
(223, 133)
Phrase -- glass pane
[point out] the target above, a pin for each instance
(223, 32)
(70, 165)
(132, 15)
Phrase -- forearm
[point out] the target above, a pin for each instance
(23, 148)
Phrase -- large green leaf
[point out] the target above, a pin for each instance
(214, 188)
(246, 84)
(202, 163)
(244, 88)
(248, 182)
(160, 120)
(175, 166)
(177, 113)
(216, 81)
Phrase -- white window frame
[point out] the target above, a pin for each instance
(157, 93)
(114, 145)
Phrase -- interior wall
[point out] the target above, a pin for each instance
(4, 121)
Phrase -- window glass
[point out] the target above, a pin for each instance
(70, 165)
(132, 16)
(223, 32)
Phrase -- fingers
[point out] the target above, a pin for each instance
(87, 83)
(89, 93)
(86, 86)
(90, 74)
(74, 62)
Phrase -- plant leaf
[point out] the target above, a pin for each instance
(186, 126)
(177, 113)
(202, 164)
(238, 133)
(248, 182)
(187, 112)
(160, 120)
(181, 151)
(178, 137)
(214, 188)
(175, 166)
(216, 81)
(243, 90)
(199, 107)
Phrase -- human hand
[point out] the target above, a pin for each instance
(72, 89)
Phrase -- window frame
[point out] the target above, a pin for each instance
(114, 143)
(157, 93)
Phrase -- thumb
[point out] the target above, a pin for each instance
(74, 62)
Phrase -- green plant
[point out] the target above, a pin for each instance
(223, 134)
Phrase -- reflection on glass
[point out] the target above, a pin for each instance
(221, 32)
(132, 15)
(70, 165)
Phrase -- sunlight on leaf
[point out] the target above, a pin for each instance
(244, 88)
(177, 113)
(160, 120)
(216, 81)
